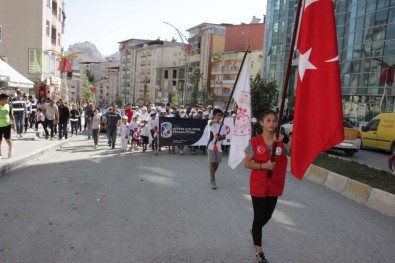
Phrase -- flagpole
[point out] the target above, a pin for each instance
(233, 90)
(287, 75)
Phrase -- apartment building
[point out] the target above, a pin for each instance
(29, 30)
(226, 65)
(143, 63)
(206, 39)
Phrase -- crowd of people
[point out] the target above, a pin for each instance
(139, 127)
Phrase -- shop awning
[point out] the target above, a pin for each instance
(12, 78)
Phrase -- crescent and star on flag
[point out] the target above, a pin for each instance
(304, 62)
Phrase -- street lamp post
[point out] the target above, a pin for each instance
(186, 61)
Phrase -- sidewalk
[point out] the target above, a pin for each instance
(25, 149)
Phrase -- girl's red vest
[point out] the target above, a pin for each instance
(260, 183)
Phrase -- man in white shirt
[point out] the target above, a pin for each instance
(51, 113)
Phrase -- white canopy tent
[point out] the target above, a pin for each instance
(12, 78)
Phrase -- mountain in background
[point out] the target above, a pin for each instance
(114, 57)
(91, 53)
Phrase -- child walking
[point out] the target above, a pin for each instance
(95, 125)
(134, 133)
(267, 178)
(144, 133)
(124, 132)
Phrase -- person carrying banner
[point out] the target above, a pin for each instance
(216, 136)
(267, 178)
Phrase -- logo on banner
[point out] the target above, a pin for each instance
(243, 120)
(166, 130)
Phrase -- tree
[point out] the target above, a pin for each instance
(88, 96)
(195, 79)
(89, 75)
(263, 95)
(175, 97)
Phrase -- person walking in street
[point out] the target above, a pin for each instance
(153, 125)
(7, 122)
(40, 118)
(28, 112)
(216, 136)
(267, 178)
(134, 133)
(19, 110)
(50, 111)
(145, 134)
(88, 116)
(33, 111)
(64, 118)
(129, 112)
(74, 115)
(95, 124)
(124, 132)
(113, 120)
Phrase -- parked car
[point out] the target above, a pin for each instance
(350, 145)
(391, 162)
(352, 140)
(286, 129)
(379, 133)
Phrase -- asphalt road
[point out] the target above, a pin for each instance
(78, 204)
(374, 158)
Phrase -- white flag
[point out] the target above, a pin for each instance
(242, 128)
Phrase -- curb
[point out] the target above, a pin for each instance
(374, 198)
(21, 160)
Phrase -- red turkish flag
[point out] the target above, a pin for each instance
(318, 119)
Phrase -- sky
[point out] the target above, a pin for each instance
(107, 22)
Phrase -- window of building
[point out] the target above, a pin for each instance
(361, 8)
(381, 17)
(371, 6)
(35, 61)
(60, 15)
(53, 36)
(391, 15)
(54, 8)
(382, 4)
(389, 48)
(47, 26)
(390, 31)
(166, 74)
(59, 39)
(174, 73)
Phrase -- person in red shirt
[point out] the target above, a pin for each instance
(267, 178)
(129, 112)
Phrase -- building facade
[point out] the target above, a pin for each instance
(365, 30)
(29, 30)
(226, 65)
(143, 70)
(206, 39)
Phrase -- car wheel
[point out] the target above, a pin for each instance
(349, 152)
